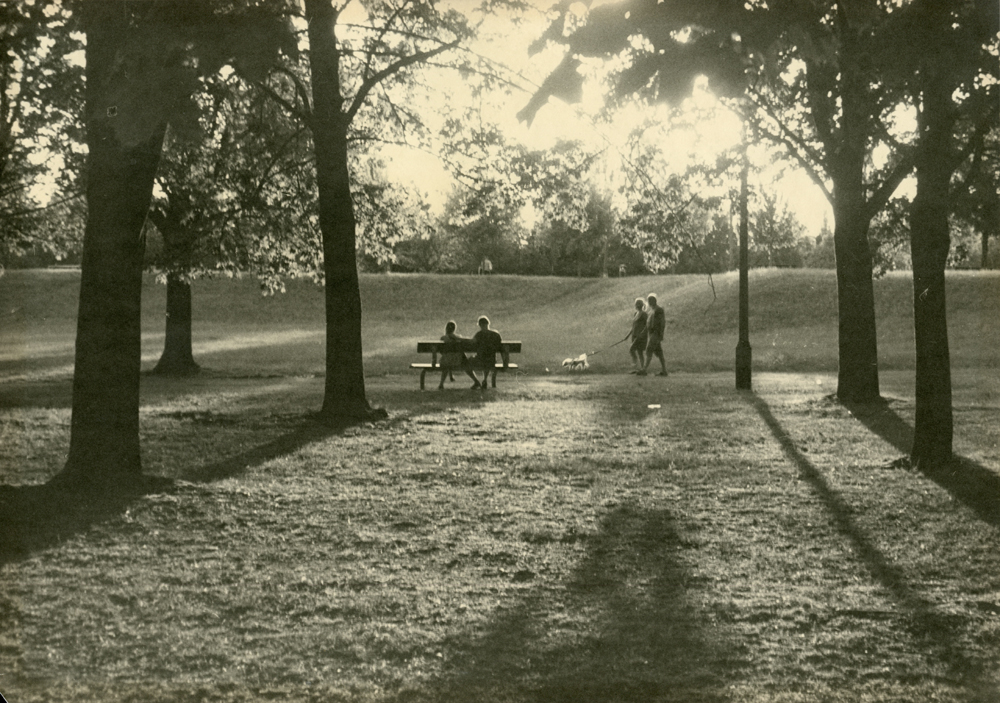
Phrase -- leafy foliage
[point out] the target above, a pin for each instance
(240, 198)
(40, 128)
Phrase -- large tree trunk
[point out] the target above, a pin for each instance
(177, 358)
(104, 432)
(929, 244)
(857, 381)
(344, 395)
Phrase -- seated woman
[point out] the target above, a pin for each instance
(452, 356)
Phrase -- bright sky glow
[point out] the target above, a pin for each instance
(709, 128)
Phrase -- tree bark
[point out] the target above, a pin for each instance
(344, 399)
(177, 358)
(857, 380)
(104, 430)
(929, 245)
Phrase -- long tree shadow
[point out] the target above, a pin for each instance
(625, 632)
(37, 517)
(966, 480)
(933, 628)
(306, 433)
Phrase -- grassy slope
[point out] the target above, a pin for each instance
(571, 538)
(793, 320)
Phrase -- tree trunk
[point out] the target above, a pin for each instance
(177, 358)
(857, 381)
(929, 244)
(344, 395)
(104, 431)
(985, 249)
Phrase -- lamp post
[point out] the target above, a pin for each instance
(743, 351)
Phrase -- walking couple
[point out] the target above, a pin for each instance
(648, 327)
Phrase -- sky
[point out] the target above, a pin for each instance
(507, 45)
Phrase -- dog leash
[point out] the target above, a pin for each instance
(613, 345)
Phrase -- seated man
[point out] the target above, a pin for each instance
(488, 344)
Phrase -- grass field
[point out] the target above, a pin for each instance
(583, 538)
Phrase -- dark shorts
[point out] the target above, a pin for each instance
(486, 362)
(654, 345)
(639, 344)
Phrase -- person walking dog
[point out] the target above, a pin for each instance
(655, 328)
(639, 336)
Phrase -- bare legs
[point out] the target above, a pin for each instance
(468, 372)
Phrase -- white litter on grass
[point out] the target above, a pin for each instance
(654, 407)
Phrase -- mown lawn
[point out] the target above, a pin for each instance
(589, 537)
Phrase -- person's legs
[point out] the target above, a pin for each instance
(652, 348)
(636, 355)
(444, 372)
(663, 362)
(489, 366)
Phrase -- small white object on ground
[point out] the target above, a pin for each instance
(654, 407)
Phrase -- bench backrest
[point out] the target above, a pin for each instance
(435, 347)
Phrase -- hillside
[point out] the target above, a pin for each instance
(793, 320)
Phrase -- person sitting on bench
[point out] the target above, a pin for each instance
(488, 344)
(451, 355)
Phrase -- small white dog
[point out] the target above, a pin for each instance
(577, 364)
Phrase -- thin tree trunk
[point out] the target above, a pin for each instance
(344, 395)
(985, 248)
(177, 358)
(930, 241)
(104, 431)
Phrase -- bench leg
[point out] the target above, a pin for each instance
(423, 373)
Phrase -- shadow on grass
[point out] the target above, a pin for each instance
(308, 432)
(626, 630)
(967, 481)
(36, 394)
(936, 630)
(37, 517)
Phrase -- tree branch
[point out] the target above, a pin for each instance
(305, 116)
(881, 196)
(373, 80)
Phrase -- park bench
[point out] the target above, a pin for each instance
(435, 348)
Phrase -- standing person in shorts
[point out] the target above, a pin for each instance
(655, 327)
(488, 345)
(639, 336)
